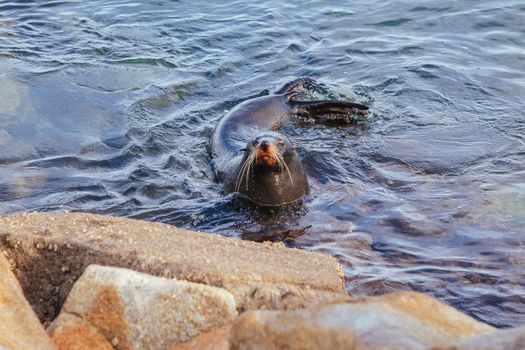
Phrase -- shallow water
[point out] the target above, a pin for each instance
(108, 106)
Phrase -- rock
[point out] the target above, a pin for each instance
(138, 311)
(19, 326)
(74, 333)
(51, 250)
(281, 296)
(217, 339)
(401, 320)
(507, 339)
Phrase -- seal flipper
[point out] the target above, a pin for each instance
(329, 111)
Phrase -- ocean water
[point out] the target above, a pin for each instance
(108, 106)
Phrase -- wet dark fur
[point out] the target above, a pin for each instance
(257, 120)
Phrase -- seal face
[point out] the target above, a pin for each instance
(252, 159)
(271, 173)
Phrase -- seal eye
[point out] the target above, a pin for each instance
(280, 143)
(255, 142)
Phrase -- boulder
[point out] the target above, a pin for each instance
(19, 326)
(400, 320)
(51, 250)
(134, 310)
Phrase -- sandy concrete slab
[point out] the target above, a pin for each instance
(51, 250)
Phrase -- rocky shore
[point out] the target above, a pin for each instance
(85, 281)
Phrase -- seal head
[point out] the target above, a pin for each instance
(271, 173)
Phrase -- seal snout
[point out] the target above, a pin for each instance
(264, 145)
(266, 154)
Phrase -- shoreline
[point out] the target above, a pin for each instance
(67, 263)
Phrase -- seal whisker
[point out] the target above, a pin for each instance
(249, 168)
(281, 160)
(242, 171)
(254, 161)
(239, 176)
(248, 161)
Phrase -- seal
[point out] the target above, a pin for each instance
(251, 158)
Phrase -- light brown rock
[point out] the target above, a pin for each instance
(19, 326)
(75, 333)
(445, 319)
(140, 311)
(50, 251)
(506, 339)
(401, 320)
(218, 339)
(281, 296)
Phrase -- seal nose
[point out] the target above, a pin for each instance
(264, 145)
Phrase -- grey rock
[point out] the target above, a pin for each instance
(401, 320)
(506, 339)
(139, 311)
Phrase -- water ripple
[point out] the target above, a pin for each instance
(107, 106)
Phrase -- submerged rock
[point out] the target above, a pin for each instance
(445, 150)
(133, 310)
(19, 326)
(401, 320)
(51, 250)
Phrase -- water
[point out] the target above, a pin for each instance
(107, 107)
